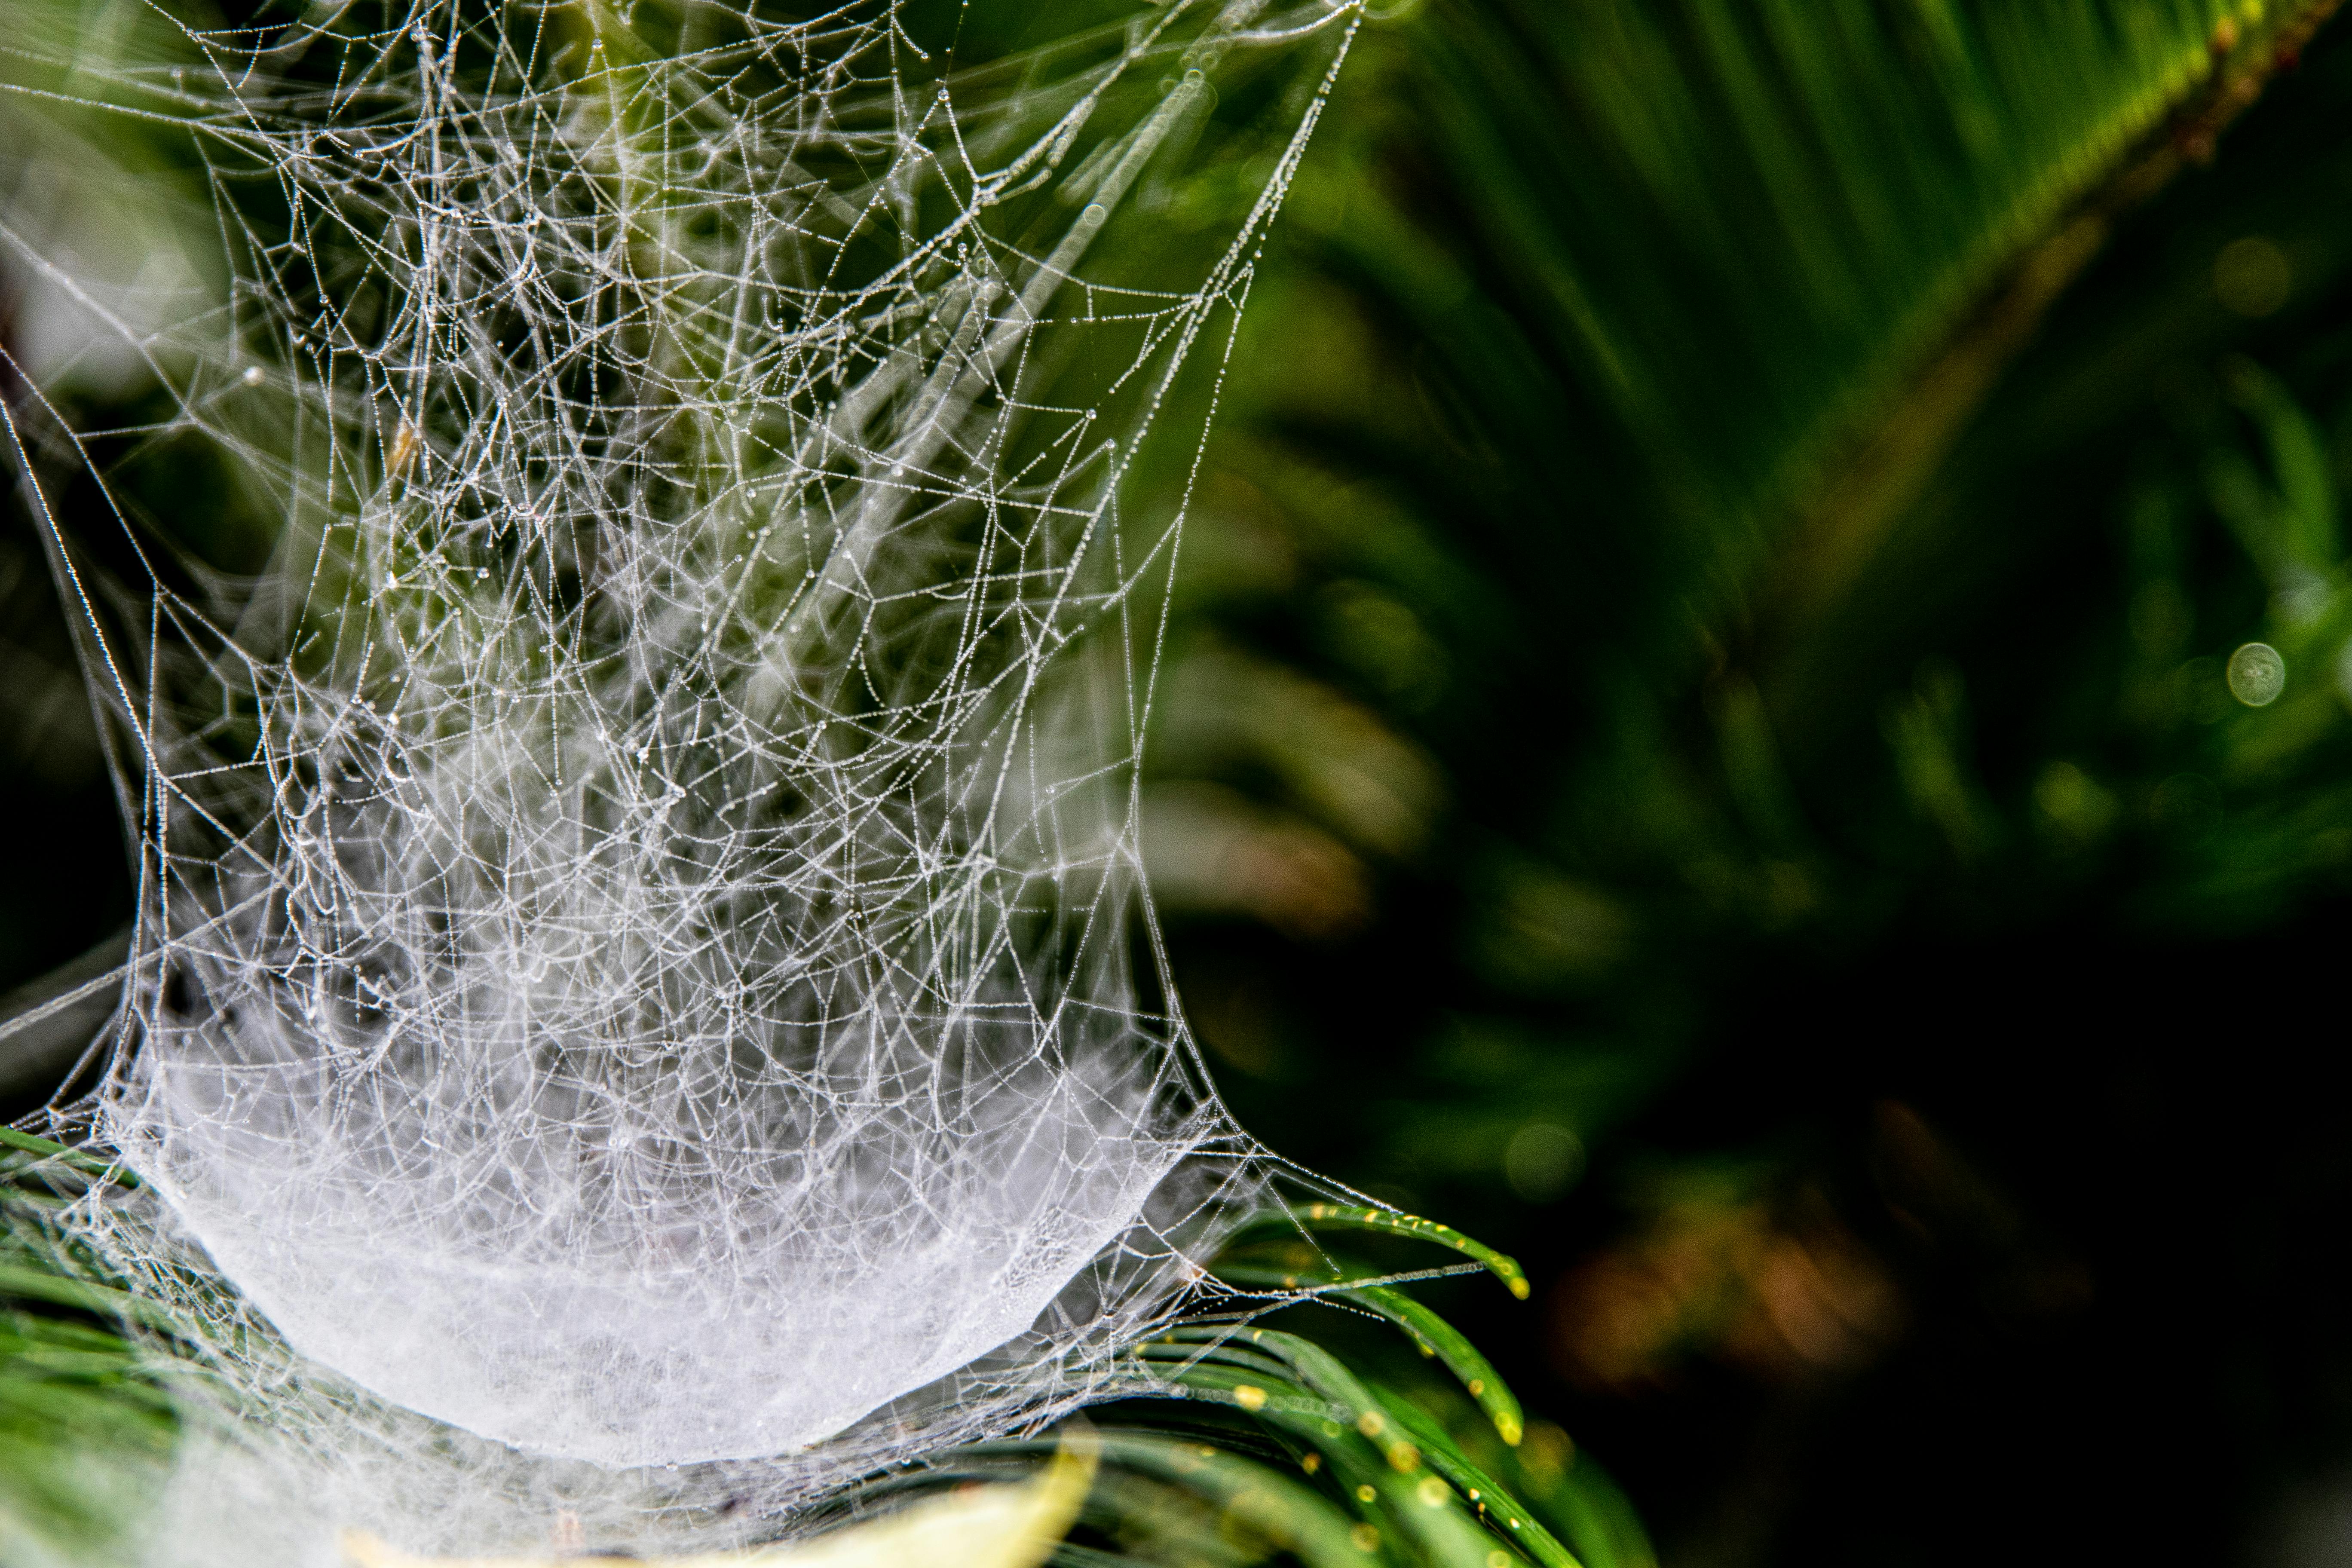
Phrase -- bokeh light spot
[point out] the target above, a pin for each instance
(2257, 675)
(2252, 276)
(1542, 1160)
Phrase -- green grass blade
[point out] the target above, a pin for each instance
(1321, 1217)
(1429, 1332)
(86, 1165)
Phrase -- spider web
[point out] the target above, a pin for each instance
(637, 955)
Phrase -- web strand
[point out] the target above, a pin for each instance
(635, 958)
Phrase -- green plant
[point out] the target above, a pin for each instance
(1655, 421)
(1244, 1438)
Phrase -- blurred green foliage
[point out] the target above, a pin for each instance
(1612, 558)
(1717, 611)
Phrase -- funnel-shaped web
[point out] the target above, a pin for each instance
(641, 895)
